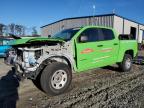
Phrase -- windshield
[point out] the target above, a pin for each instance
(66, 34)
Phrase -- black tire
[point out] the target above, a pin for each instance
(36, 82)
(56, 78)
(124, 66)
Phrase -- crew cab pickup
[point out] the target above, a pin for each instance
(50, 62)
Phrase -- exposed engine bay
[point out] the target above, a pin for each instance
(27, 58)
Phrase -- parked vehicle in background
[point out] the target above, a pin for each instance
(4, 41)
(49, 62)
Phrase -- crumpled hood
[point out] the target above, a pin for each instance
(36, 39)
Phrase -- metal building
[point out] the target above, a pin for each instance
(120, 24)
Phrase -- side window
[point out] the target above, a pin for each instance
(96, 34)
(106, 34)
(89, 35)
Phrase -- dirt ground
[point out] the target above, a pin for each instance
(99, 88)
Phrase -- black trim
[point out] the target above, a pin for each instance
(113, 22)
(93, 16)
(138, 31)
(123, 25)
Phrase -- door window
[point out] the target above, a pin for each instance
(97, 34)
(105, 34)
(91, 35)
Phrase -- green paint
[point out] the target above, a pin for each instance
(88, 55)
(32, 39)
(95, 59)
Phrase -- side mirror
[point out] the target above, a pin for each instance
(83, 38)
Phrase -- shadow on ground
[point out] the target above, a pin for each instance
(112, 68)
(9, 90)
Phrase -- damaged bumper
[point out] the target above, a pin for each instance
(24, 64)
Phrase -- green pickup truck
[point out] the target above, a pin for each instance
(50, 62)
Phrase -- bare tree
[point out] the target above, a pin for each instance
(12, 28)
(1, 29)
(23, 30)
(15, 29)
(18, 30)
(34, 31)
(5, 30)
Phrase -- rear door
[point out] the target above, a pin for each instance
(110, 46)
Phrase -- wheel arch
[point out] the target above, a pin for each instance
(62, 59)
(122, 54)
(48, 60)
(130, 52)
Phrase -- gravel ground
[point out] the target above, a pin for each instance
(100, 88)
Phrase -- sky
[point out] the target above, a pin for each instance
(41, 12)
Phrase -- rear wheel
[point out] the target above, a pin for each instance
(55, 78)
(126, 64)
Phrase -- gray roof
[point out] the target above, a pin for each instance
(93, 16)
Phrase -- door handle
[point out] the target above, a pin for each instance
(99, 45)
(115, 44)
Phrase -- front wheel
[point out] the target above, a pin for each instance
(56, 78)
(126, 64)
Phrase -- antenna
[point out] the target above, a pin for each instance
(113, 11)
(93, 13)
(94, 9)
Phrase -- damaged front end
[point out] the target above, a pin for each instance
(27, 57)
(24, 59)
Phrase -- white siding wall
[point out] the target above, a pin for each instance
(119, 27)
(141, 29)
(127, 27)
(118, 24)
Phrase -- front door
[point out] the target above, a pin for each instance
(94, 49)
